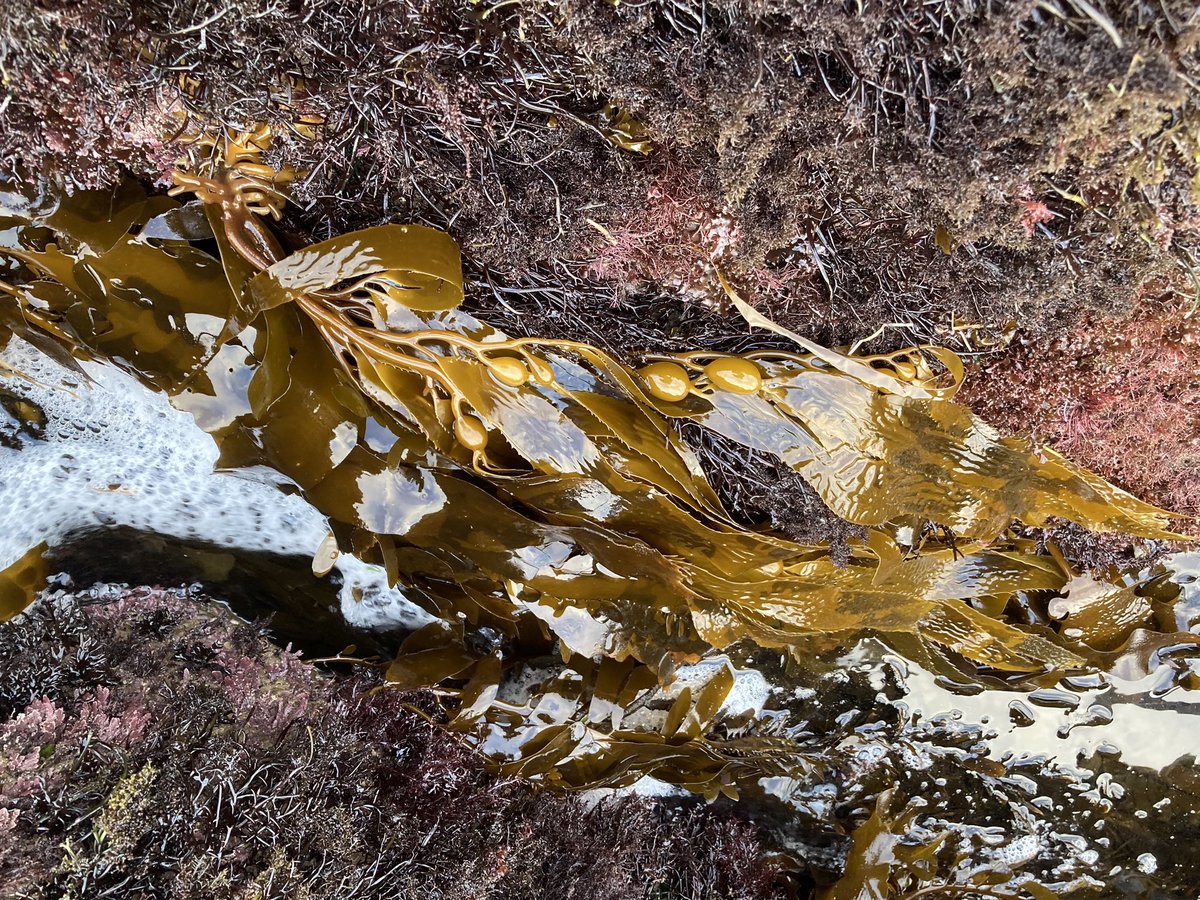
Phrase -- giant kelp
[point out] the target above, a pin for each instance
(535, 489)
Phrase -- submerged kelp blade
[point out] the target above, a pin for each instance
(152, 310)
(429, 656)
(1100, 615)
(91, 220)
(872, 855)
(21, 582)
(877, 457)
(158, 313)
(296, 388)
(916, 597)
(562, 736)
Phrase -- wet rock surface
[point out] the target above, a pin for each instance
(154, 745)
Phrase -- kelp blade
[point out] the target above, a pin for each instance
(589, 519)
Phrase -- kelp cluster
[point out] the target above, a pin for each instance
(536, 494)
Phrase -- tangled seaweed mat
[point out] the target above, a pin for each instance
(538, 488)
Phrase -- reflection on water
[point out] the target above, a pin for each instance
(1095, 780)
(1097, 714)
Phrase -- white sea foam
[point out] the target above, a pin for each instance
(117, 454)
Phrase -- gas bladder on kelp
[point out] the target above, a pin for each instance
(539, 487)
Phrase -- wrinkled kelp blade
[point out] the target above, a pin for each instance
(414, 266)
(574, 511)
(877, 457)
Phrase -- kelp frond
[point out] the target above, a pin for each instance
(540, 488)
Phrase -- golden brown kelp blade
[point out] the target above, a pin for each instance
(407, 266)
(877, 457)
(21, 582)
(540, 484)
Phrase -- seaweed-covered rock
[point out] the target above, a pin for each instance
(929, 167)
(153, 745)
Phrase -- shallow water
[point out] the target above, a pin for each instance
(112, 453)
